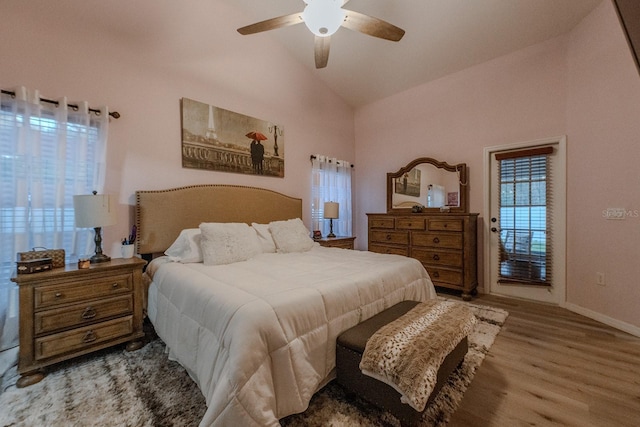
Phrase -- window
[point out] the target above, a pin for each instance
(331, 182)
(48, 153)
(525, 212)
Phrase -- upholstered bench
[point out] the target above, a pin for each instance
(350, 347)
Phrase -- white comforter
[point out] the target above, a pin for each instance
(259, 336)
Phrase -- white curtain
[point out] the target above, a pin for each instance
(331, 182)
(48, 153)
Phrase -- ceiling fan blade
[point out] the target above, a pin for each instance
(369, 25)
(322, 51)
(272, 24)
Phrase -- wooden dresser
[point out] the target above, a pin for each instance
(67, 312)
(446, 244)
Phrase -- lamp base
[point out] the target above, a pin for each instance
(97, 258)
(331, 235)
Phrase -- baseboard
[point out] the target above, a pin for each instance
(614, 323)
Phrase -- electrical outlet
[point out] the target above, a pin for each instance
(600, 279)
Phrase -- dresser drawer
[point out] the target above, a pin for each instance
(382, 249)
(82, 338)
(410, 223)
(445, 224)
(82, 290)
(82, 314)
(438, 240)
(442, 258)
(452, 277)
(387, 223)
(397, 237)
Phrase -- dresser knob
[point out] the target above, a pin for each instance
(436, 257)
(115, 285)
(90, 336)
(89, 313)
(58, 295)
(436, 274)
(388, 236)
(436, 240)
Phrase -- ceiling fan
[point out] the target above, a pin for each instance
(324, 18)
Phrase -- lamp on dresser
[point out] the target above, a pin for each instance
(331, 210)
(95, 211)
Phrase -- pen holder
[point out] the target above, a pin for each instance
(128, 250)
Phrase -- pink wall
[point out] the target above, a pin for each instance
(43, 47)
(603, 110)
(583, 85)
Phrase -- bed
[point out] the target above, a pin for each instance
(258, 335)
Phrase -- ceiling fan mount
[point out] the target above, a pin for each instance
(323, 18)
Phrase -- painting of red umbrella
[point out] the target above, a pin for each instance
(221, 140)
(256, 135)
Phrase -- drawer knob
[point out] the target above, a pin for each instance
(58, 295)
(90, 336)
(388, 236)
(436, 274)
(89, 313)
(436, 240)
(436, 257)
(115, 285)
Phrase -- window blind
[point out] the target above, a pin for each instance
(526, 214)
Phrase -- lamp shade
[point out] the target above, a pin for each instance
(94, 210)
(331, 210)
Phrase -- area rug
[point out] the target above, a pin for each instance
(144, 388)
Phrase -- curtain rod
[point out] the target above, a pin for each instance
(312, 157)
(113, 114)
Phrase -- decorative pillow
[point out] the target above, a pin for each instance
(291, 236)
(226, 243)
(264, 236)
(186, 247)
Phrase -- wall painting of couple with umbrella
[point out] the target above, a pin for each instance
(221, 140)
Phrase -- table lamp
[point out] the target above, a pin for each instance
(330, 212)
(95, 211)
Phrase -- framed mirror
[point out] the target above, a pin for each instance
(432, 185)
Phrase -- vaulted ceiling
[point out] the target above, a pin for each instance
(442, 36)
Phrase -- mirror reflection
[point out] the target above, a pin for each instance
(428, 184)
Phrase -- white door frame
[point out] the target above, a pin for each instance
(558, 295)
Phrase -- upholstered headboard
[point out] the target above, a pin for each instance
(162, 214)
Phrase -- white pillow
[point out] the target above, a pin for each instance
(291, 236)
(226, 243)
(264, 236)
(186, 247)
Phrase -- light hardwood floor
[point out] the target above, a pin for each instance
(552, 367)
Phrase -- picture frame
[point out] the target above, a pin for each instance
(217, 139)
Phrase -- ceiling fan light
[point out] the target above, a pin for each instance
(323, 17)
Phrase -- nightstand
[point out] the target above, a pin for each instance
(344, 242)
(67, 312)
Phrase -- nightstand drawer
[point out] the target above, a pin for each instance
(82, 290)
(82, 314)
(82, 338)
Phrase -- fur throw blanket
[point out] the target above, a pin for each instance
(407, 353)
